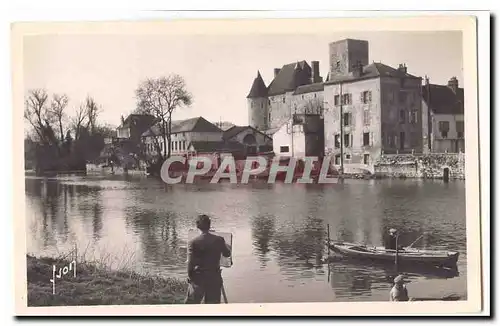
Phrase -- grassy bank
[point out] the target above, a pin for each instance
(97, 286)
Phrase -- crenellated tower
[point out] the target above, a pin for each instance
(257, 102)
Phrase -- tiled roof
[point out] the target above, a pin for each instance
(259, 88)
(290, 77)
(235, 130)
(443, 100)
(316, 87)
(373, 70)
(216, 146)
(198, 124)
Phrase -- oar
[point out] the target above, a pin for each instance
(420, 237)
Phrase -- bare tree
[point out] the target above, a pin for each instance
(78, 121)
(36, 112)
(91, 112)
(160, 97)
(57, 107)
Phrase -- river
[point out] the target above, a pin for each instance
(278, 230)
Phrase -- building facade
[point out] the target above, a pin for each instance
(369, 109)
(184, 134)
(443, 110)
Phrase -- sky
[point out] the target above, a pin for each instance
(218, 70)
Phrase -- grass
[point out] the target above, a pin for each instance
(96, 285)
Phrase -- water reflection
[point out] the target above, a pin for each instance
(280, 229)
(263, 231)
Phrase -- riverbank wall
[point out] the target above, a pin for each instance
(96, 169)
(425, 166)
(95, 285)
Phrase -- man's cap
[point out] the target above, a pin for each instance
(392, 230)
(399, 279)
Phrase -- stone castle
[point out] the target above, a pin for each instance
(380, 107)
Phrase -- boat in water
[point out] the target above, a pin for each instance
(404, 255)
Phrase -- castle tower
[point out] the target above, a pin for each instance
(258, 104)
(345, 54)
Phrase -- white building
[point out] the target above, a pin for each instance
(187, 136)
(443, 113)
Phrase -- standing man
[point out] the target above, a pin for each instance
(204, 274)
(391, 240)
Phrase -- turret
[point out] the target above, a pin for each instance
(258, 104)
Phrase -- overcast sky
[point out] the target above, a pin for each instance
(218, 70)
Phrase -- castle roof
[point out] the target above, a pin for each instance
(441, 99)
(374, 70)
(259, 88)
(290, 77)
(316, 87)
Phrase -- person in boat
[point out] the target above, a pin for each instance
(203, 267)
(391, 240)
(399, 292)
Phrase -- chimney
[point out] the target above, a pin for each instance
(276, 71)
(453, 84)
(315, 77)
(357, 69)
(426, 80)
(402, 67)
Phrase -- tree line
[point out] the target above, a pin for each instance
(57, 140)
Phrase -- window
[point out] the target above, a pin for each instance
(337, 141)
(347, 99)
(302, 96)
(366, 117)
(444, 127)
(459, 125)
(283, 99)
(284, 149)
(337, 159)
(402, 116)
(366, 139)
(314, 95)
(366, 97)
(401, 140)
(336, 100)
(261, 105)
(347, 119)
(347, 156)
(269, 116)
(366, 159)
(175, 145)
(413, 117)
(347, 139)
(269, 102)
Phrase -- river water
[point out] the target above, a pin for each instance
(278, 230)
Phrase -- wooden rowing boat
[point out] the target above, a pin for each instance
(405, 255)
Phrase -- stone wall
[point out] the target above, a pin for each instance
(428, 166)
